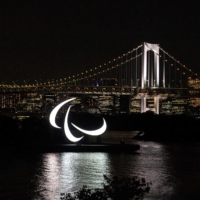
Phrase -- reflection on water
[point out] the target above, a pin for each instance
(173, 170)
(70, 171)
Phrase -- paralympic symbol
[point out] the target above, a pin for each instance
(69, 135)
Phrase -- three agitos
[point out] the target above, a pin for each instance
(68, 133)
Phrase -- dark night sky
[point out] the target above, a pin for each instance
(56, 39)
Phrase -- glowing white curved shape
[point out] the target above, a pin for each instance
(95, 132)
(52, 117)
(68, 134)
(67, 131)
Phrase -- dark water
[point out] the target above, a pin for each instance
(173, 169)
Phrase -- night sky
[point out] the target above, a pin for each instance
(56, 39)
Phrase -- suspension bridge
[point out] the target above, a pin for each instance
(136, 81)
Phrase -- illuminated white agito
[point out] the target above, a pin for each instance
(69, 135)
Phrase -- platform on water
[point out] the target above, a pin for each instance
(78, 148)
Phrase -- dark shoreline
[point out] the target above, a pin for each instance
(162, 128)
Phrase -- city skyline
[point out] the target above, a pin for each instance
(55, 39)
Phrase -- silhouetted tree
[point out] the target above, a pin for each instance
(114, 188)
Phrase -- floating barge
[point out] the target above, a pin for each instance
(113, 148)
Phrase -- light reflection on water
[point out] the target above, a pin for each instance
(173, 170)
(70, 171)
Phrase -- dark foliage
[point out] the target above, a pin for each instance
(115, 188)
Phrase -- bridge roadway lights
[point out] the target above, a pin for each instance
(144, 94)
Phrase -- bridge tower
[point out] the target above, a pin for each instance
(150, 75)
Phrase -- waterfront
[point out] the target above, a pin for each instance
(173, 170)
